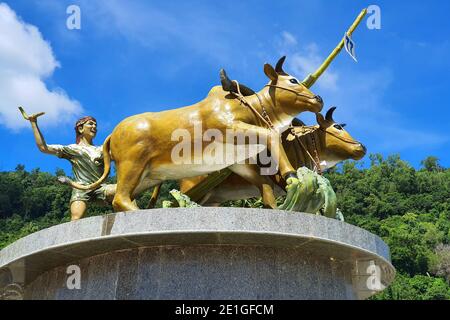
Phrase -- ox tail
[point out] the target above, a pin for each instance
(95, 185)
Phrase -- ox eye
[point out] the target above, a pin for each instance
(338, 126)
(294, 81)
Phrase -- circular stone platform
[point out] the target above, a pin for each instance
(200, 253)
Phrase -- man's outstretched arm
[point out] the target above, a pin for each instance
(40, 141)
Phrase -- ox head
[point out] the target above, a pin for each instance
(339, 144)
(288, 93)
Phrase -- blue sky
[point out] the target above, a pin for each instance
(135, 56)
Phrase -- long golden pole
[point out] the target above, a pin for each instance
(312, 78)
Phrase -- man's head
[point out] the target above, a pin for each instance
(86, 127)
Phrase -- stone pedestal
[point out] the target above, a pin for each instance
(199, 253)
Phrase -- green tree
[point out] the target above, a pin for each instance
(441, 263)
(431, 164)
(418, 287)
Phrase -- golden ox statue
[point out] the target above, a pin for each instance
(142, 145)
(318, 148)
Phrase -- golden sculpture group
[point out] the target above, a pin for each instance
(142, 148)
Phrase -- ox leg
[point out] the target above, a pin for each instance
(128, 177)
(251, 174)
(272, 139)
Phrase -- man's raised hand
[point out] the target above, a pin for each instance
(33, 117)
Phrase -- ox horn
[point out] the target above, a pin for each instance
(279, 66)
(231, 86)
(227, 84)
(329, 115)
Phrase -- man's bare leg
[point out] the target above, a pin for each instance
(77, 210)
(110, 192)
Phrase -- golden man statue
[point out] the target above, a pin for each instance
(86, 159)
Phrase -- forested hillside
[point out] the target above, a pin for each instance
(408, 208)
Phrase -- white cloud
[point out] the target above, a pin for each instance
(288, 38)
(26, 59)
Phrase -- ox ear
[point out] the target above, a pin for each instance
(279, 66)
(270, 72)
(323, 123)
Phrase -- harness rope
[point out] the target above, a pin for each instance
(293, 91)
(340, 138)
(316, 160)
(266, 119)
